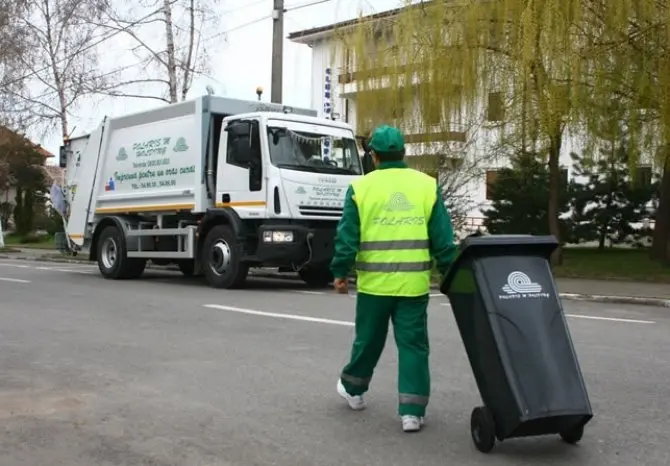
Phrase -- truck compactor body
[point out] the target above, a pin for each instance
(214, 185)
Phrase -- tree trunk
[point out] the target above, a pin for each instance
(553, 210)
(171, 60)
(188, 65)
(660, 248)
(612, 182)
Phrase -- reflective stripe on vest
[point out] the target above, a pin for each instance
(394, 207)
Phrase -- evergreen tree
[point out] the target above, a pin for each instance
(609, 199)
(520, 197)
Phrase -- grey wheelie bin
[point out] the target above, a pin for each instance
(511, 321)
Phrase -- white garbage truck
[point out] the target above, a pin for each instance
(214, 185)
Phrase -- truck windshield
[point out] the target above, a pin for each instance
(305, 151)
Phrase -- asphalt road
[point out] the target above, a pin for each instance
(165, 371)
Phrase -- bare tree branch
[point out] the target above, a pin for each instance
(176, 52)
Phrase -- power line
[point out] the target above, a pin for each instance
(232, 10)
(87, 48)
(305, 5)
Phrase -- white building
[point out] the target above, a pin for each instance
(334, 91)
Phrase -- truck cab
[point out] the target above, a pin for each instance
(285, 176)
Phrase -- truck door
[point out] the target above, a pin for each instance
(240, 181)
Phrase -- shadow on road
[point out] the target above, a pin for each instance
(254, 282)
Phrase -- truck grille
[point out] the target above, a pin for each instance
(321, 211)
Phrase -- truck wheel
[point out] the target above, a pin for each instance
(221, 259)
(316, 277)
(113, 260)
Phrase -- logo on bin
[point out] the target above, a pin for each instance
(519, 285)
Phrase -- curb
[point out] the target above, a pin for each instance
(632, 300)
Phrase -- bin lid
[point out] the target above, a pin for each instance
(475, 247)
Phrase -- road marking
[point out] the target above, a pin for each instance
(15, 265)
(435, 295)
(279, 315)
(307, 292)
(611, 319)
(607, 319)
(14, 280)
(55, 269)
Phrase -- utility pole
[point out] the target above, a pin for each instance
(277, 51)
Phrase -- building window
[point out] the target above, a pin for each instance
(643, 175)
(432, 113)
(397, 110)
(347, 62)
(495, 110)
(491, 176)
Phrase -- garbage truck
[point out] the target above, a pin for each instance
(213, 185)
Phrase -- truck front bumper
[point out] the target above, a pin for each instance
(286, 245)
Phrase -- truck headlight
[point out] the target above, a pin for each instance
(277, 236)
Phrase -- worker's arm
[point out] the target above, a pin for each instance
(348, 238)
(441, 234)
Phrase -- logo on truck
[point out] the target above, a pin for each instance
(519, 285)
(122, 155)
(180, 145)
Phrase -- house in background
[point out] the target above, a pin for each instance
(334, 91)
(7, 193)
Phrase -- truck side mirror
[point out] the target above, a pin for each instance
(238, 128)
(62, 157)
(255, 159)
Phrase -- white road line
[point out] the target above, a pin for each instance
(611, 319)
(55, 269)
(14, 265)
(607, 319)
(351, 324)
(435, 295)
(307, 292)
(279, 315)
(14, 280)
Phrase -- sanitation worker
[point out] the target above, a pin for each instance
(394, 222)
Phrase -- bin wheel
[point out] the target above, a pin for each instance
(483, 429)
(572, 436)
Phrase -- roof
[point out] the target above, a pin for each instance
(38, 148)
(56, 174)
(309, 36)
(44, 152)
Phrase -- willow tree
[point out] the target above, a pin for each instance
(626, 82)
(551, 63)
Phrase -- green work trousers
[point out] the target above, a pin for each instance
(409, 317)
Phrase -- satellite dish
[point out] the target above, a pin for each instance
(210, 90)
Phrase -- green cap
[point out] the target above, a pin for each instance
(387, 139)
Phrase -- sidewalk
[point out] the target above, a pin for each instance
(650, 294)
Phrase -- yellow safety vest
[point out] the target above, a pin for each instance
(394, 207)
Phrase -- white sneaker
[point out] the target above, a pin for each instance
(356, 402)
(412, 423)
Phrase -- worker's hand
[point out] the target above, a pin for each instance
(341, 285)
